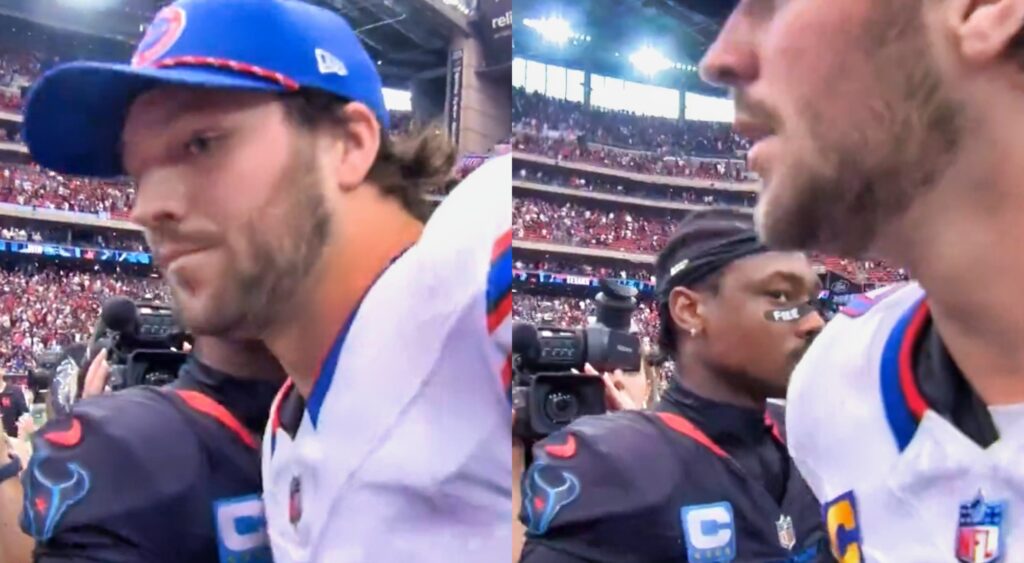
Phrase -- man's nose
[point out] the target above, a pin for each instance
(160, 198)
(810, 325)
(731, 61)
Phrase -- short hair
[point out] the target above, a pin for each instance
(406, 167)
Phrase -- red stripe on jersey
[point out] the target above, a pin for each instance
(275, 411)
(915, 401)
(204, 404)
(500, 245)
(686, 428)
(499, 314)
(506, 373)
(775, 427)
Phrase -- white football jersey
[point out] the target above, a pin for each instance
(899, 483)
(404, 450)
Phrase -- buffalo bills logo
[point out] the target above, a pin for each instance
(160, 36)
(48, 496)
(545, 491)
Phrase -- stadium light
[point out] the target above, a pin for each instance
(552, 29)
(650, 61)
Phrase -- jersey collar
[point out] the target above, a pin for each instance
(902, 399)
(329, 366)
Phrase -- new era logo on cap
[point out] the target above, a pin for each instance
(327, 63)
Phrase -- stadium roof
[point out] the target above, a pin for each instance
(407, 37)
(680, 29)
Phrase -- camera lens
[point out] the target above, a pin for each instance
(561, 408)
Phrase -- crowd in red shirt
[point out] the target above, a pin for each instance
(572, 312)
(626, 130)
(49, 308)
(579, 224)
(570, 149)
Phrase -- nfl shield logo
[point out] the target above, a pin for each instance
(979, 537)
(295, 501)
(787, 537)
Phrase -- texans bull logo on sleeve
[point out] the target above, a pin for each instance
(49, 494)
(544, 495)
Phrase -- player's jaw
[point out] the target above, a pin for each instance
(250, 285)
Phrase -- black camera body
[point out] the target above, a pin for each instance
(144, 343)
(547, 395)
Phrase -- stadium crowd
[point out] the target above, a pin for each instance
(17, 70)
(577, 224)
(572, 312)
(564, 147)
(588, 182)
(644, 231)
(536, 112)
(45, 308)
(74, 236)
(31, 186)
(580, 269)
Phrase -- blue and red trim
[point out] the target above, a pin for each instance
(903, 402)
(499, 282)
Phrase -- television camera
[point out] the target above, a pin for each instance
(547, 394)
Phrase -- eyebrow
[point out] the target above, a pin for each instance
(794, 279)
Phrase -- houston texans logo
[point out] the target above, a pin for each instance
(542, 499)
(47, 498)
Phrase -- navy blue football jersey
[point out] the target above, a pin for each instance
(149, 475)
(653, 487)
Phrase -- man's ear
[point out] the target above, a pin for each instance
(355, 150)
(686, 309)
(987, 28)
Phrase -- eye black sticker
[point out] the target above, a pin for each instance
(789, 314)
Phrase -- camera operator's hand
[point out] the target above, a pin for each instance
(26, 426)
(616, 397)
(97, 376)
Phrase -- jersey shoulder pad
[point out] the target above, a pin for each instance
(477, 213)
(110, 459)
(597, 470)
(861, 304)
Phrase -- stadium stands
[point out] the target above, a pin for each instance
(45, 308)
(576, 312)
(621, 182)
(538, 113)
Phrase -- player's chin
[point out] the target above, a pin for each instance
(197, 304)
(783, 222)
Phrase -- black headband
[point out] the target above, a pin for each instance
(696, 263)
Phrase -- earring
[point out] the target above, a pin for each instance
(693, 332)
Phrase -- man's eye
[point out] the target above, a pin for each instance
(200, 144)
(780, 296)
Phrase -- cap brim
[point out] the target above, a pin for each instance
(75, 114)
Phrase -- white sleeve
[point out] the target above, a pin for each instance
(472, 232)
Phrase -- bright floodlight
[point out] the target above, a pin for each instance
(397, 100)
(649, 61)
(552, 29)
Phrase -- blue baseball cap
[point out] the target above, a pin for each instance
(75, 114)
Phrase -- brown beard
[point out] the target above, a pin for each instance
(871, 175)
(270, 269)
